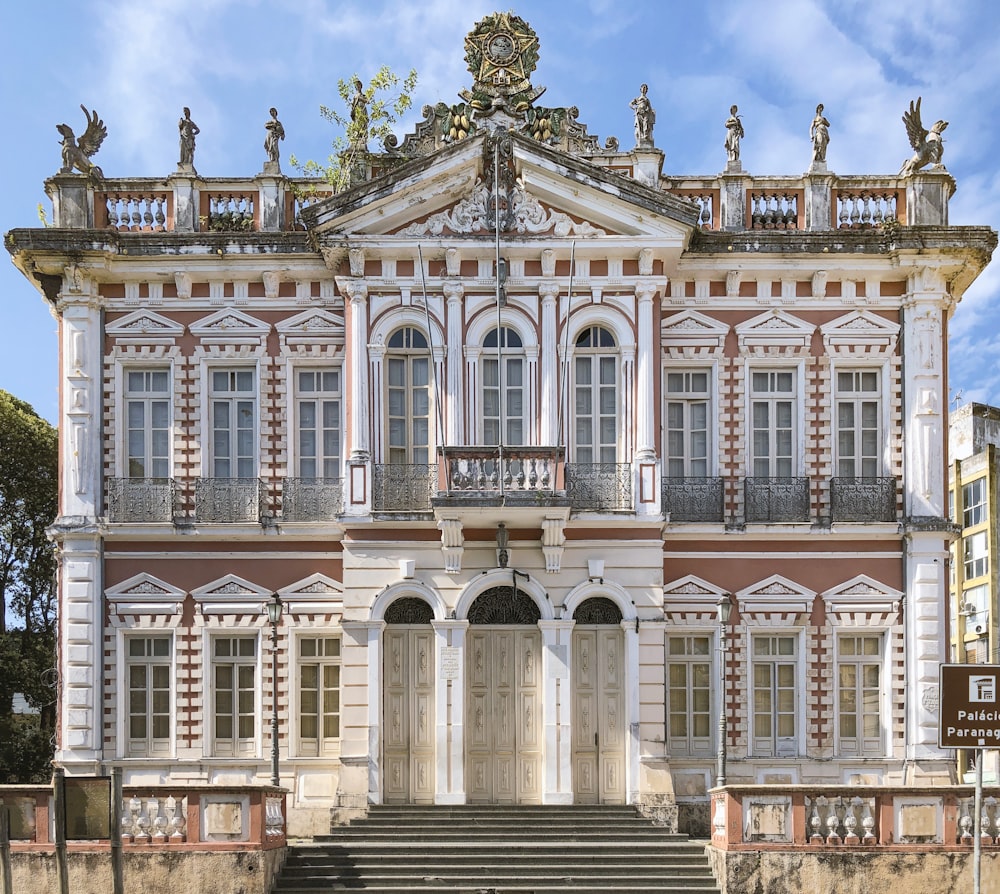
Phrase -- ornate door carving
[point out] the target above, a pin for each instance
(599, 721)
(408, 714)
(503, 723)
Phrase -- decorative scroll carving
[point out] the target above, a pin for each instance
(409, 610)
(597, 610)
(501, 605)
(526, 215)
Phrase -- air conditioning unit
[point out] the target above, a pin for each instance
(980, 628)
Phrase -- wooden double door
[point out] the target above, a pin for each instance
(408, 714)
(503, 718)
(599, 715)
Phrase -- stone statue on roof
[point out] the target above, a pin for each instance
(187, 131)
(734, 133)
(645, 118)
(76, 153)
(819, 133)
(275, 133)
(928, 146)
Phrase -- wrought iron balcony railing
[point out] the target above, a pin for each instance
(863, 499)
(399, 487)
(492, 470)
(311, 499)
(140, 499)
(693, 499)
(228, 500)
(599, 486)
(776, 499)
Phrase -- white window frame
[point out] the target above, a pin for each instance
(690, 745)
(123, 371)
(883, 709)
(687, 398)
(595, 355)
(799, 690)
(975, 562)
(980, 507)
(208, 425)
(324, 747)
(294, 435)
(511, 355)
(797, 398)
(252, 745)
(409, 355)
(857, 398)
(125, 637)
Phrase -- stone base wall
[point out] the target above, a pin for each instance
(775, 872)
(248, 872)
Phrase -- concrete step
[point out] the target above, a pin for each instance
(509, 850)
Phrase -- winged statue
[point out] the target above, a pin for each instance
(76, 153)
(928, 147)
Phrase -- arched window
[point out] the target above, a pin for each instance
(595, 396)
(503, 402)
(408, 397)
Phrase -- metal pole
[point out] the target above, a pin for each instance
(117, 871)
(275, 780)
(59, 803)
(977, 827)
(8, 883)
(720, 776)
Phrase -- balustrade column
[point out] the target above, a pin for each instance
(549, 292)
(453, 292)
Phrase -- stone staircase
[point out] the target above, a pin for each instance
(500, 850)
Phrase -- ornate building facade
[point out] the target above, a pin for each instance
(502, 424)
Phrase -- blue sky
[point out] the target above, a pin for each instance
(138, 62)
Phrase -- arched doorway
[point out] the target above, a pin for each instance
(503, 757)
(408, 703)
(599, 709)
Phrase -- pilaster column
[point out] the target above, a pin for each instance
(645, 439)
(548, 433)
(453, 293)
(925, 422)
(450, 712)
(558, 711)
(357, 323)
(360, 781)
(472, 354)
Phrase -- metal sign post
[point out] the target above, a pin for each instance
(970, 718)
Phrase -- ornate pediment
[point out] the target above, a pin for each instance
(146, 326)
(774, 330)
(230, 326)
(313, 324)
(861, 594)
(692, 330)
(144, 594)
(691, 594)
(776, 594)
(860, 332)
(475, 214)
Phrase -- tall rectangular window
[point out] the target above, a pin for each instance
(408, 398)
(147, 413)
(775, 686)
(234, 688)
(317, 417)
(689, 695)
(773, 435)
(686, 423)
(859, 694)
(976, 550)
(974, 503)
(595, 397)
(234, 423)
(147, 680)
(859, 436)
(319, 695)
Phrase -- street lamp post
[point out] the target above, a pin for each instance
(274, 617)
(723, 607)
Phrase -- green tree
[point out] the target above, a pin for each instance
(371, 113)
(28, 505)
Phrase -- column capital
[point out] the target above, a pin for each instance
(453, 291)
